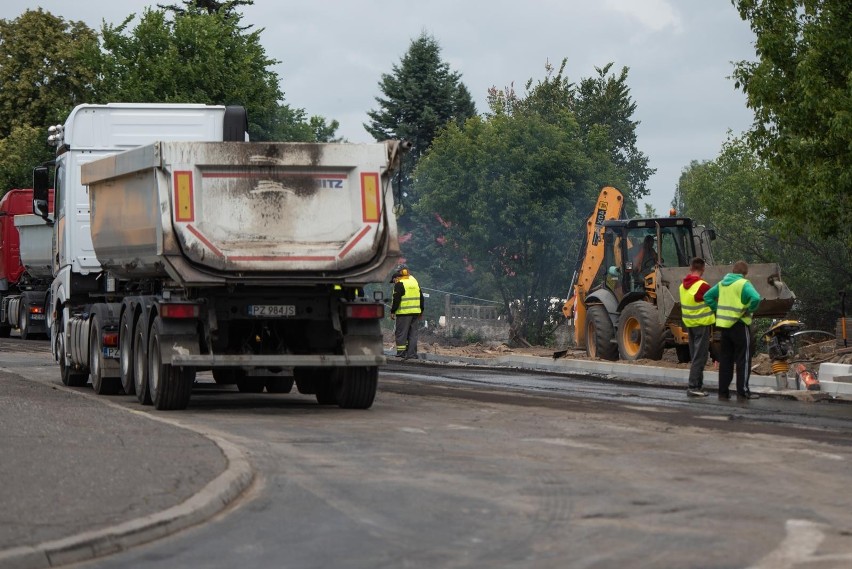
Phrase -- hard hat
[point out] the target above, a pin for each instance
(400, 271)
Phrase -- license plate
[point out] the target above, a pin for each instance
(272, 310)
(111, 353)
(36, 316)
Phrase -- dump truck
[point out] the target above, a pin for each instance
(625, 300)
(183, 247)
(25, 268)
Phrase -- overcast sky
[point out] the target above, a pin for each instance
(332, 54)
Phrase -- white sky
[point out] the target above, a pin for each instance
(332, 54)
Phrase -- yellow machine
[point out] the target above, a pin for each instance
(624, 299)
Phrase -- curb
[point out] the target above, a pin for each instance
(203, 505)
(660, 376)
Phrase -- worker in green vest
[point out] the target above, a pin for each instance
(406, 308)
(734, 299)
(698, 318)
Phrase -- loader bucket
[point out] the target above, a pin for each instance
(777, 298)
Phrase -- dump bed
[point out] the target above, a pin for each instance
(206, 213)
(36, 245)
(776, 298)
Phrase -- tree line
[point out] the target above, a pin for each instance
(492, 204)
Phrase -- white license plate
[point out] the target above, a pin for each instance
(36, 316)
(111, 353)
(272, 310)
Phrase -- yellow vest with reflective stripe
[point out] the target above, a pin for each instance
(731, 308)
(410, 301)
(694, 313)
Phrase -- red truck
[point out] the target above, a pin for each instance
(25, 265)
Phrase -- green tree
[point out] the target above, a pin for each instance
(513, 189)
(24, 148)
(604, 102)
(227, 7)
(419, 98)
(800, 89)
(47, 66)
(195, 57)
(722, 193)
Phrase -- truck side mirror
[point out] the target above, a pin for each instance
(41, 191)
(711, 233)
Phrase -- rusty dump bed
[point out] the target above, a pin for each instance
(204, 212)
(776, 298)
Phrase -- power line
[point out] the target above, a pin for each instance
(460, 295)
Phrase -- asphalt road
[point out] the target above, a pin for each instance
(459, 467)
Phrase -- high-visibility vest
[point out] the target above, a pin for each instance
(410, 301)
(731, 308)
(694, 313)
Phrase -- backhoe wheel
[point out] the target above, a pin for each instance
(100, 384)
(125, 352)
(640, 332)
(599, 334)
(170, 386)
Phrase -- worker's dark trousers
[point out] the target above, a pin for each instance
(735, 352)
(699, 348)
(406, 335)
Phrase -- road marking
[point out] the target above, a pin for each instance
(799, 547)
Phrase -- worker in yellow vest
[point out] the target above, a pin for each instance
(698, 318)
(734, 299)
(406, 308)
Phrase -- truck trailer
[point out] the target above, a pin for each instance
(25, 271)
(182, 247)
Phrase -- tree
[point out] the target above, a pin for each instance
(513, 189)
(800, 89)
(227, 7)
(723, 193)
(47, 66)
(604, 102)
(24, 148)
(197, 57)
(420, 97)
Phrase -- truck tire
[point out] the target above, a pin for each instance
(69, 377)
(100, 384)
(327, 382)
(170, 386)
(249, 384)
(357, 390)
(140, 363)
(5, 330)
(125, 352)
(599, 334)
(279, 384)
(224, 376)
(304, 379)
(24, 320)
(640, 332)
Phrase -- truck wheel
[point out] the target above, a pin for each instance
(248, 384)
(5, 330)
(140, 363)
(640, 332)
(599, 334)
(24, 320)
(224, 376)
(357, 390)
(304, 380)
(125, 352)
(327, 381)
(279, 384)
(170, 386)
(70, 377)
(102, 385)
